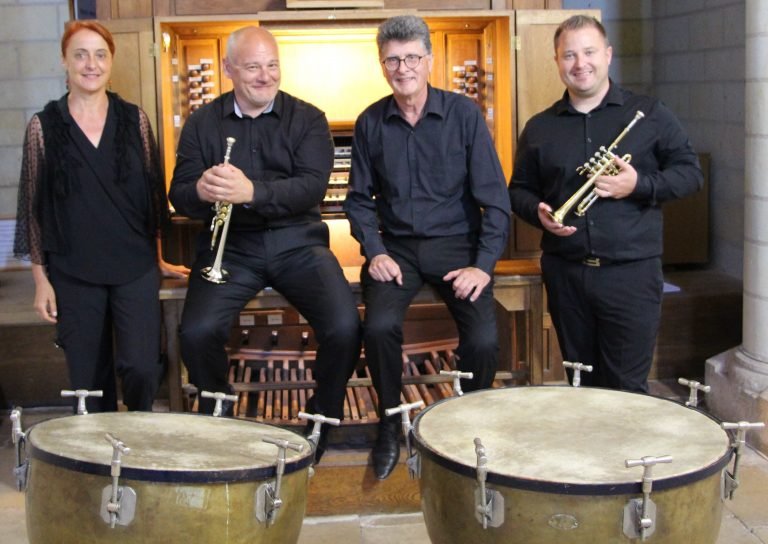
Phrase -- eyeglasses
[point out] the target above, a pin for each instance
(393, 63)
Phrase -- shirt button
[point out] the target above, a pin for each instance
(589, 140)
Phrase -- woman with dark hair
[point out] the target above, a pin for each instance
(91, 205)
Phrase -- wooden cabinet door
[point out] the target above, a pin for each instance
(133, 73)
(538, 86)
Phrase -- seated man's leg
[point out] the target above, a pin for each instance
(478, 350)
(209, 313)
(385, 306)
(311, 279)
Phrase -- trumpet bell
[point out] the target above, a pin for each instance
(214, 274)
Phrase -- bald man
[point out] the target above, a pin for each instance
(276, 178)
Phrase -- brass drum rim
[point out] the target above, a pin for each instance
(294, 461)
(567, 488)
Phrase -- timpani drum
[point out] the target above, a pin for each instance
(555, 465)
(185, 478)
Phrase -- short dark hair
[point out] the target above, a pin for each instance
(580, 21)
(404, 28)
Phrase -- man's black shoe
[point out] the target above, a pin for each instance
(386, 452)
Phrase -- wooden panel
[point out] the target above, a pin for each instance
(437, 4)
(32, 370)
(686, 225)
(527, 4)
(228, 7)
(133, 76)
(538, 87)
(703, 318)
(131, 9)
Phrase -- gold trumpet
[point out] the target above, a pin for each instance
(602, 164)
(220, 222)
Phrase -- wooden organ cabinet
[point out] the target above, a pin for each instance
(500, 58)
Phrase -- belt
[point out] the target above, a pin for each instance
(596, 261)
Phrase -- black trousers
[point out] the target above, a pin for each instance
(90, 318)
(309, 277)
(607, 317)
(426, 260)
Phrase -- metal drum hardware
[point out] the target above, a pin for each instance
(220, 398)
(118, 503)
(489, 504)
(695, 387)
(457, 377)
(412, 462)
(577, 368)
(640, 514)
(318, 419)
(741, 428)
(18, 438)
(268, 500)
(81, 395)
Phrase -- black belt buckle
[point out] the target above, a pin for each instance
(591, 261)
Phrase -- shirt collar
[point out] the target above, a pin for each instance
(434, 105)
(613, 96)
(231, 107)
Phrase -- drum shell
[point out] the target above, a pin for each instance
(556, 456)
(685, 514)
(64, 502)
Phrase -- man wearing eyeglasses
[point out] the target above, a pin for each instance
(276, 178)
(427, 201)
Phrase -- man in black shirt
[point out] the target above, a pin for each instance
(427, 201)
(602, 270)
(276, 178)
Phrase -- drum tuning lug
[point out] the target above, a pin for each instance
(457, 377)
(404, 410)
(318, 419)
(19, 440)
(268, 500)
(220, 398)
(640, 514)
(118, 503)
(694, 387)
(489, 504)
(577, 368)
(81, 395)
(741, 428)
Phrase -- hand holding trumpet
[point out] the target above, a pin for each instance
(225, 183)
(619, 186)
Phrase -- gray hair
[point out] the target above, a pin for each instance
(404, 28)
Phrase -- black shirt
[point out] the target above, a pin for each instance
(287, 153)
(441, 177)
(560, 139)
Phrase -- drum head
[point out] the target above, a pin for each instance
(166, 447)
(571, 440)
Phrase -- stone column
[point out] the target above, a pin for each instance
(739, 377)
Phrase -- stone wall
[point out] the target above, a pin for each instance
(30, 31)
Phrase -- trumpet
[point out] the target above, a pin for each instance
(220, 222)
(602, 164)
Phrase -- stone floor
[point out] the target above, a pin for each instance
(745, 519)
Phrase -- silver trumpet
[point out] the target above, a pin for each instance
(220, 222)
(602, 164)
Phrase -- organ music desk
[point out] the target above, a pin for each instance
(517, 289)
